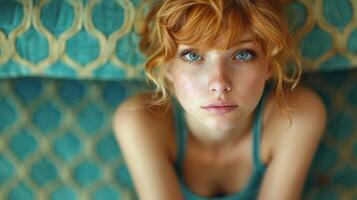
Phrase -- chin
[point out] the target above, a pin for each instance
(218, 125)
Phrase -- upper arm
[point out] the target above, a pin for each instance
(145, 152)
(295, 149)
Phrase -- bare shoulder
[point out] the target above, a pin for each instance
(134, 104)
(130, 112)
(143, 133)
(139, 109)
(302, 125)
(304, 120)
(137, 119)
(293, 139)
(307, 109)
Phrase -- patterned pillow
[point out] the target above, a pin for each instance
(99, 39)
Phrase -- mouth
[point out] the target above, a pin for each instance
(220, 108)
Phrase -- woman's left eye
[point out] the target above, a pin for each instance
(191, 56)
(244, 55)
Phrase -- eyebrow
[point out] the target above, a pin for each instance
(247, 41)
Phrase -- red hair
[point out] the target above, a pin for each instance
(199, 23)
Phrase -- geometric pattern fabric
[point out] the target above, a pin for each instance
(56, 139)
(98, 39)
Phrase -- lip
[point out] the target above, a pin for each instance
(220, 107)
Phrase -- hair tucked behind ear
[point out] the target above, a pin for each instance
(198, 23)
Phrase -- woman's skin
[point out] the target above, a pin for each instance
(235, 77)
(219, 91)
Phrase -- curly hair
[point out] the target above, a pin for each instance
(199, 23)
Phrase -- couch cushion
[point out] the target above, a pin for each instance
(99, 39)
(56, 139)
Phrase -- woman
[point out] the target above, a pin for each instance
(227, 120)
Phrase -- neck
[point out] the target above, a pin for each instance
(218, 139)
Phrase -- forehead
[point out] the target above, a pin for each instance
(246, 38)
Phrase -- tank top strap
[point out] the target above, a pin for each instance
(257, 129)
(180, 133)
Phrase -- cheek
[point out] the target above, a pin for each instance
(186, 92)
(184, 83)
(187, 87)
(251, 87)
(251, 80)
(256, 75)
(254, 84)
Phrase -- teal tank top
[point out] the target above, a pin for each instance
(250, 191)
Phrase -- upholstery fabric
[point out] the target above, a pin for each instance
(99, 39)
(65, 65)
(56, 139)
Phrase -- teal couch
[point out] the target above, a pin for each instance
(66, 65)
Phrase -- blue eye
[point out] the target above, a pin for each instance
(244, 55)
(192, 57)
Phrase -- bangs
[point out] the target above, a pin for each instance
(207, 26)
(218, 24)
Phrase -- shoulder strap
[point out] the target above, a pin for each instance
(257, 129)
(180, 133)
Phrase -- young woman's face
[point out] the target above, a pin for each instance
(219, 88)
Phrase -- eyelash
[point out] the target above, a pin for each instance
(184, 53)
(251, 53)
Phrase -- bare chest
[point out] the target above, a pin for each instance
(225, 173)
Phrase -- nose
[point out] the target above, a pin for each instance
(220, 82)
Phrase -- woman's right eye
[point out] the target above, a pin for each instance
(192, 57)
